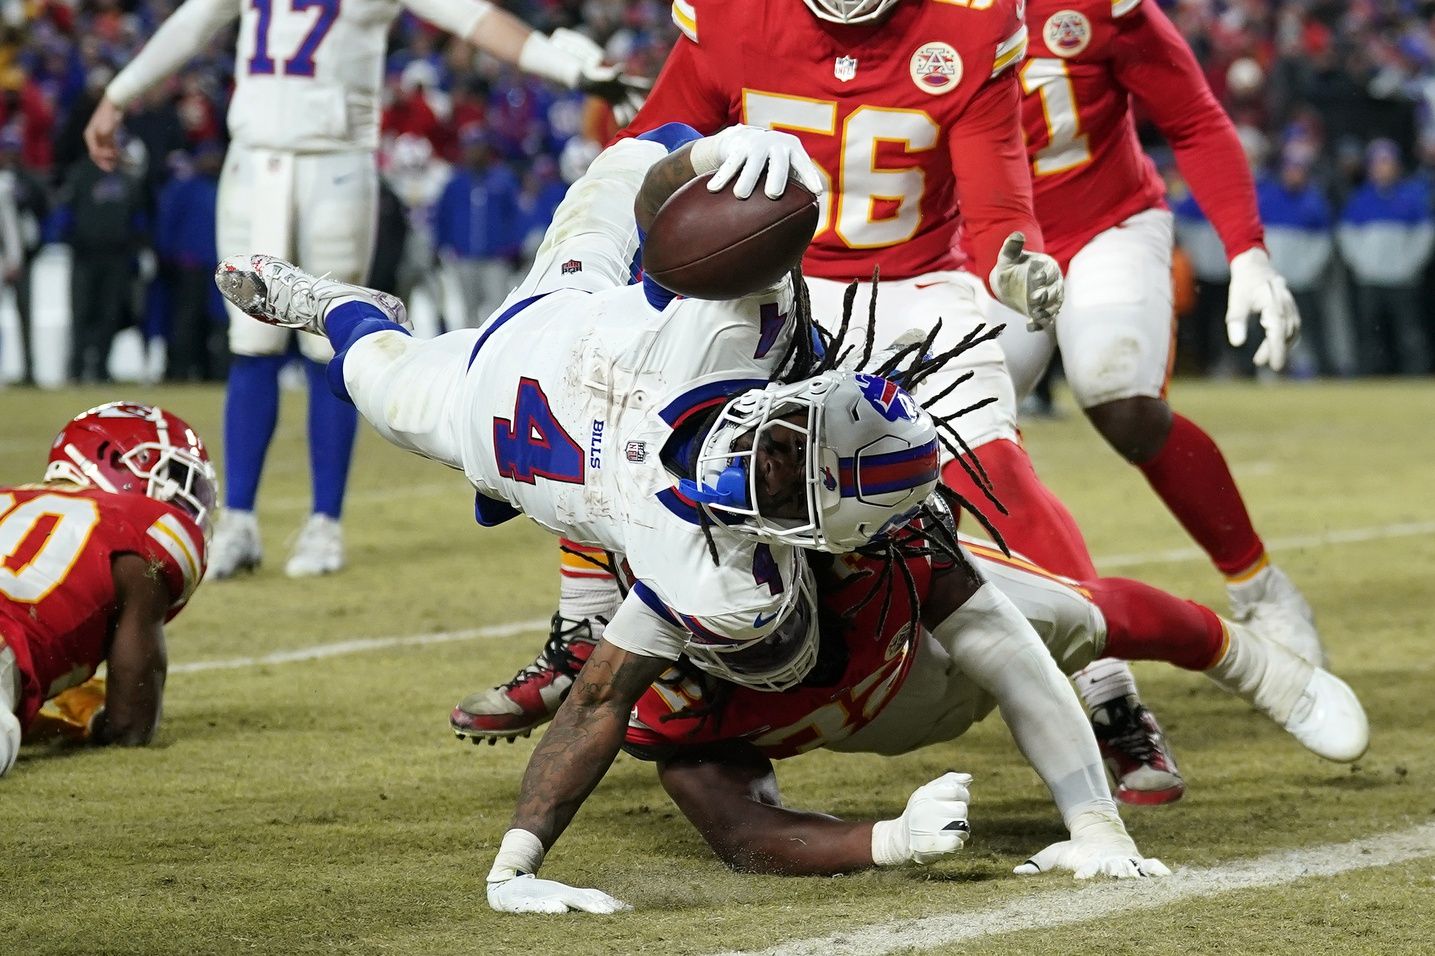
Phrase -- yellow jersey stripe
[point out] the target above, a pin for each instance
(1119, 8)
(175, 541)
(1012, 50)
(686, 19)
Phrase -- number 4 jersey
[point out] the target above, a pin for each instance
(908, 119)
(57, 592)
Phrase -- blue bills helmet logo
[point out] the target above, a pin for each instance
(888, 398)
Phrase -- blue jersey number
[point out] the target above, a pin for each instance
(534, 444)
(302, 62)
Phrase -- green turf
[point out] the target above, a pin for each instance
(324, 807)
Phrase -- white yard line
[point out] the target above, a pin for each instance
(1112, 899)
(361, 645)
(1382, 532)
(340, 648)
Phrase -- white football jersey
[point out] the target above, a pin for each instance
(568, 404)
(307, 72)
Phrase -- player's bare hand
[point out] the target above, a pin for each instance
(933, 825)
(739, 154)
(529, 894)
(1099, 846)
(1256, 287)
(102, 134)
(1029, 282)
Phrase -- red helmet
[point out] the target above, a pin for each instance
(137, 449)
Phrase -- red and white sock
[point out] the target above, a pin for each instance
(586, 588)
(1191, 476)
(1037, 524)
(1147, 624)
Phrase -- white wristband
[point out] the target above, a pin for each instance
(520, 853)
(890, 845)
(542, 57)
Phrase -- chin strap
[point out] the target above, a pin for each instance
(731, 489)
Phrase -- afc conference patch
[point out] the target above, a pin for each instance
(1067, 32)
(936, 68)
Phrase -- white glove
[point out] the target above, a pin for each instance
(744, 151)
(573, 60)
(1256, 287)
(933, 825)
(1029, 282)
(529, 894)
(1099, 846)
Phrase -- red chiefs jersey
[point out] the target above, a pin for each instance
(865, 666)
(907, 118)
(57, 591)
(1087, 61)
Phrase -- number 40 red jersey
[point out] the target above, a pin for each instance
(57, 592)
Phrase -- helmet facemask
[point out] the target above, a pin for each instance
(778, 662)
(850, 11)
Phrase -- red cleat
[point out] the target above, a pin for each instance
(1136, 753)
(532, 697)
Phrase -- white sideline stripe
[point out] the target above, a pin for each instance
(341, 648)
(1381, 532)
(362, 645)
(1101, 900)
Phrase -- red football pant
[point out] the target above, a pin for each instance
(1146, 624)
(1036, 524)
(1191, 476)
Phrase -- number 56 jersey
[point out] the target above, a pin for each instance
(57, 591)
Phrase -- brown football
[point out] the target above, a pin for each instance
(707, 245)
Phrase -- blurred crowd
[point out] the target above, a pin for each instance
(1335, 102)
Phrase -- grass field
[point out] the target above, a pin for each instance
(322, 805)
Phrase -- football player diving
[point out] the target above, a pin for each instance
(97, 559)
(733, 434)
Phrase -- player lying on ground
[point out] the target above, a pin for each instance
(97, 559)
(882, 686)
(724, 473)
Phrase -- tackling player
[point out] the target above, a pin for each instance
(897, 690)
(300, 181)
(911, 110)
(1101, 203)
(97, 559)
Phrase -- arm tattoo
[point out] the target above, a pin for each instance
(666, 177)
(580, 744)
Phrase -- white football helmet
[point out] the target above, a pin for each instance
(776, 662)
(850, 11)
(871, 458)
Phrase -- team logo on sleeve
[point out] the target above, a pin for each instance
(845, 68)
(1067, 32)
(936, 68)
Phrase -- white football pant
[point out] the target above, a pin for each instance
(903, 304)
(1116, 331)
(318, 210)
(9, 701)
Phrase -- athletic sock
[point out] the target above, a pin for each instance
(1037, 524)
(1190, 475)
(345, 324)
(586, 589)
(332, 424)
(251, 410)
(1147, 624)
(1103, 681)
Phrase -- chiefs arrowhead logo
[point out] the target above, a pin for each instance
(936, 68)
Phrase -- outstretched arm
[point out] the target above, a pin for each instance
(567, 764)
(730, 795)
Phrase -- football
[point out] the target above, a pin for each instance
(713, 245)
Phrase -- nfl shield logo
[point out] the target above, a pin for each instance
(845, 68)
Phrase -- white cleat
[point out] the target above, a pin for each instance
(1313, 705)
(319, 550)
(1270, 603)
(280, 293)
(235, 547)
